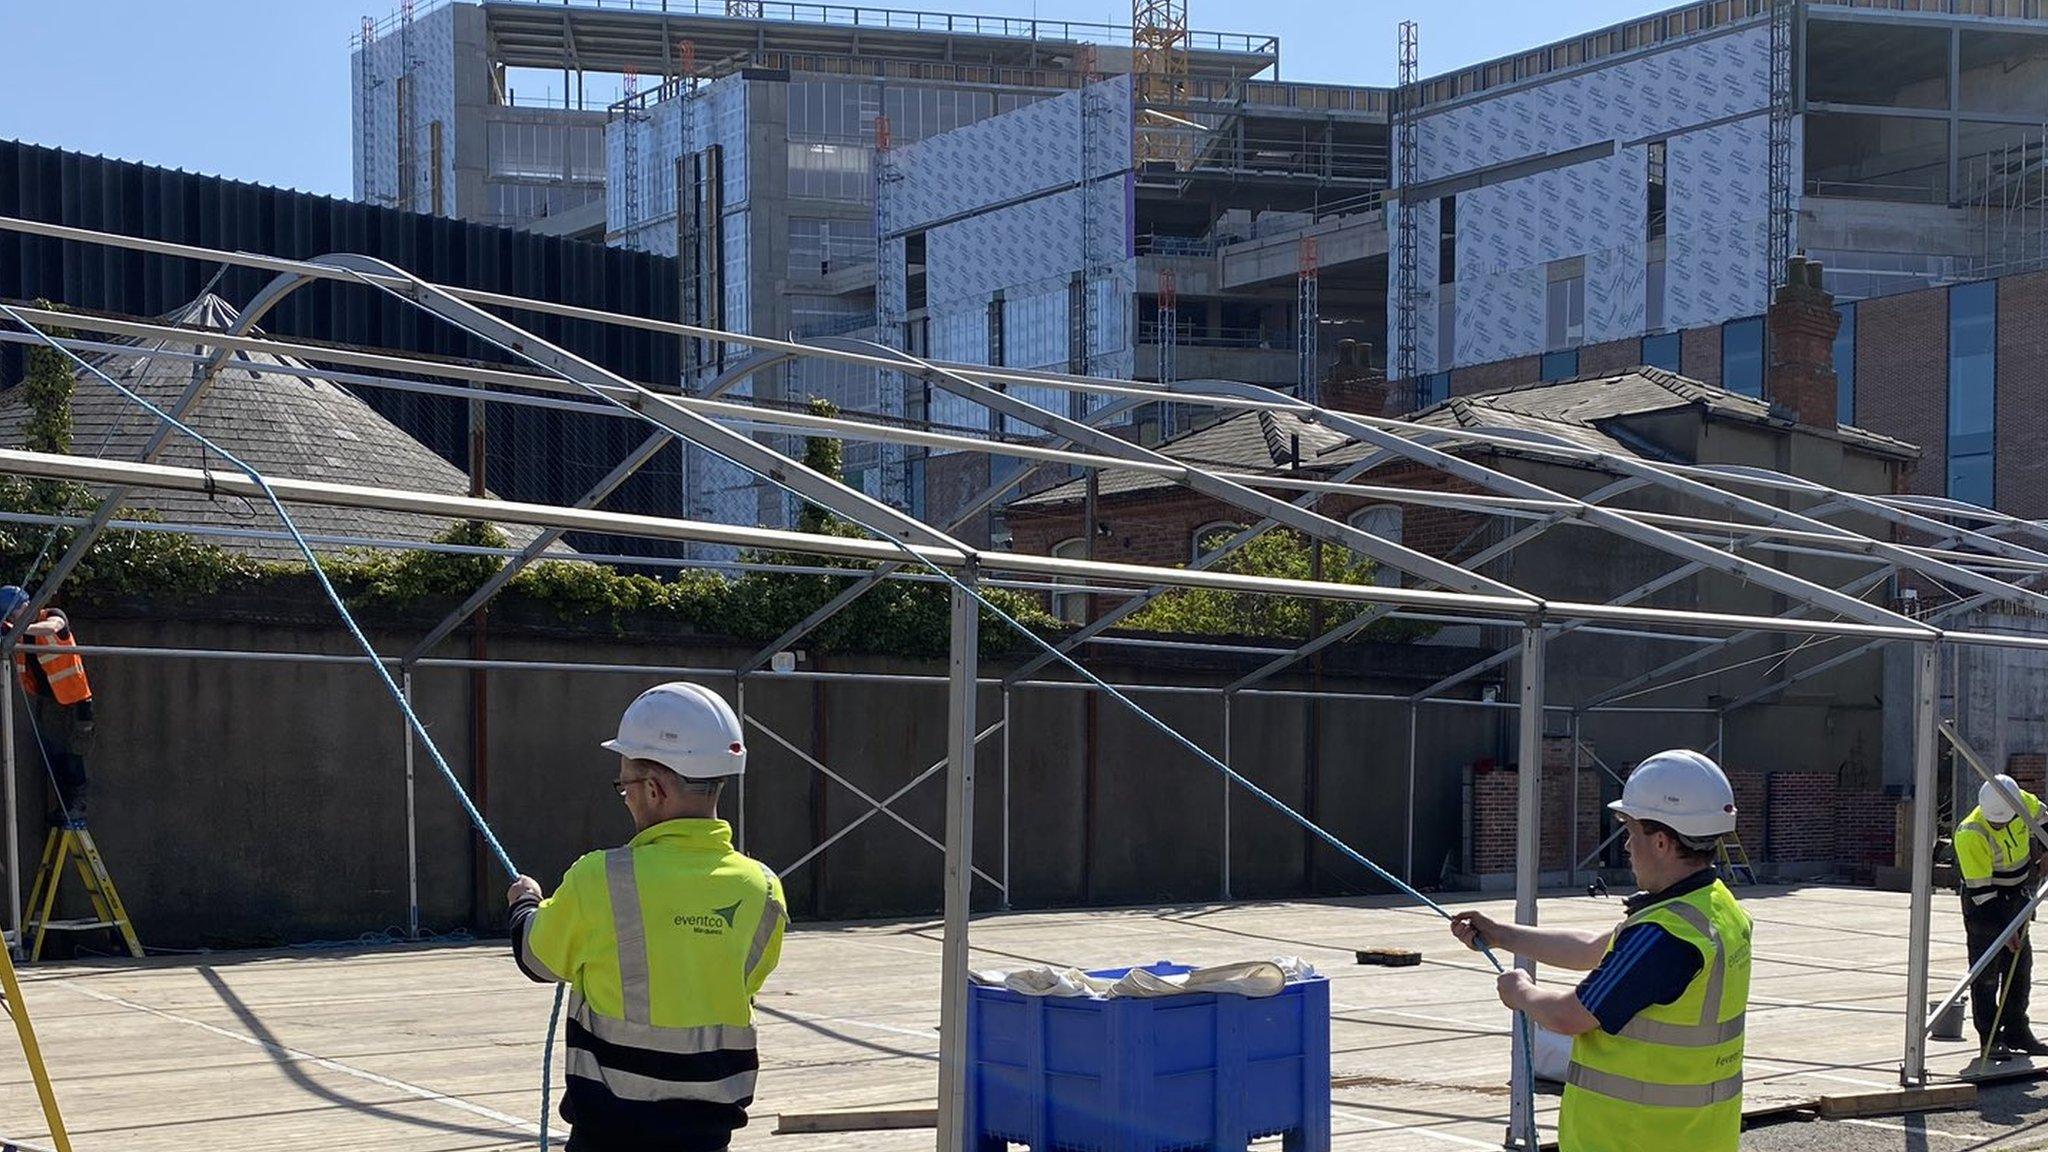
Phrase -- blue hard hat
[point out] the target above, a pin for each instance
(12, 597)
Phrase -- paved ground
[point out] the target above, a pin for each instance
(437, 1049)
(2009, 1118)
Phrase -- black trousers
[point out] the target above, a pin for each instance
(66, 735)
(1981, 928)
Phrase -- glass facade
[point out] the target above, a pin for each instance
(1742, 356)
(1972, 395)
(1435, 388)
(1661, 351)
(1845, 365)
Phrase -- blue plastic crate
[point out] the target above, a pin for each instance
(1206, 1070)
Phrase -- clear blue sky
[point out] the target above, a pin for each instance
(259, 89)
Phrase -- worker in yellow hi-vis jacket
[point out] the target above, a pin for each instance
(1657, 1025)
(1996, 857)
(664, 942)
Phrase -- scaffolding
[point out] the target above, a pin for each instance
(1159, 81)
(1307, 319)
(1778, 246)
(1758, 521)
(2006, 189)
(1406, 224)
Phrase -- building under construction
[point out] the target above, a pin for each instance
(1152, 202)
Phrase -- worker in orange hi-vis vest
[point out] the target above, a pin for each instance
(60, 698)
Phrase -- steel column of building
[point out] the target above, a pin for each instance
(1224, 886)
(1408, 827)
(1926, 669)
(1528, 864)
(960, 720)
(412, 829)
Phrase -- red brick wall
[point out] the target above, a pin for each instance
(1496, 800)
(1801, 817)
(1751, 806)
(1699, 354)
(1902, 378)
(1613, 356)
(1866, 829)
(1497, 375)
(1157, 526)
(2028, 769)
(2021, 476)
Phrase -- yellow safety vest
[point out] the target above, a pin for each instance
(1672, 1078)
(664, 943)
(1992, 857)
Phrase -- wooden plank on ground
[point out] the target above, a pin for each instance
(1932, 1099)
(855, 1120)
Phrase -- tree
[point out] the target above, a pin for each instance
(1283, 554)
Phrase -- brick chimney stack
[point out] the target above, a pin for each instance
(1353, 384)
(1802, 323)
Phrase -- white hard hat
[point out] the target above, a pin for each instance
(1991, 798)
(684, 727)
(1681, 790)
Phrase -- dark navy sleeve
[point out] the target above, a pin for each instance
(1646, 966)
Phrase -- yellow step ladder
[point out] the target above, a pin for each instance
(72, 843)
(1733, 862)
(17, 1011)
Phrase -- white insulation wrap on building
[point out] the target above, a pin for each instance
(1552, 181)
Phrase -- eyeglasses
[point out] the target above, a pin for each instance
(622, 783)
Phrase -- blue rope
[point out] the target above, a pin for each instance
(547, 1067)
(412, 719)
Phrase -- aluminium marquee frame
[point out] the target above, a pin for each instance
(1988, 556)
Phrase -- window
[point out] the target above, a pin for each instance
(1383, 521)
(1972, 368)
(830, 172)
(1071, 607)
(1434, 388)
(1447, 240)
(1561, 365)
(1845, 365)
(995, 331)
(913, 272)
(1661, 351)
(1654, 208)
(820, 246)
(1565, 304)
(1211, 536)
(1742, 356)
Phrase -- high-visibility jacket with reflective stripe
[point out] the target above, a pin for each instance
(664, 942)
(61, 669)
(1993, 858)
(1672, 1078)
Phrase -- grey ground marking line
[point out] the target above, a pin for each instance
(1907, 1129)
(415, 1091)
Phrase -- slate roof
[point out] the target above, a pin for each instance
(284, 425)
(1577, 411)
